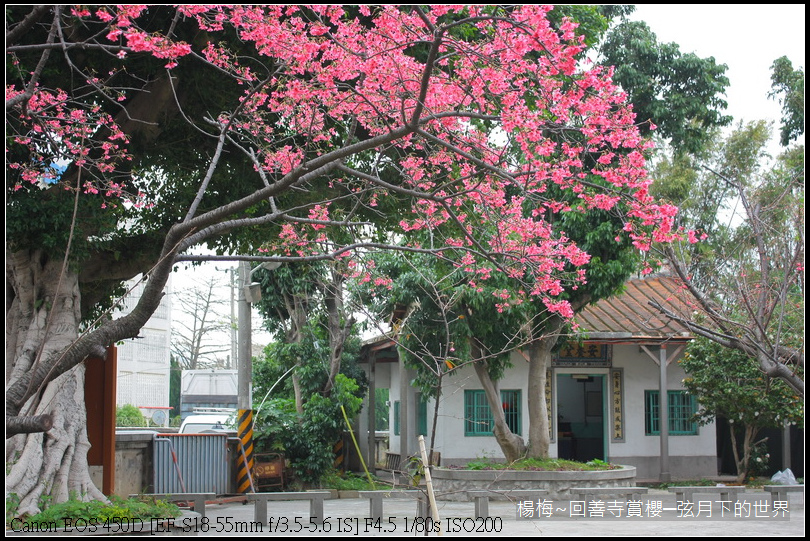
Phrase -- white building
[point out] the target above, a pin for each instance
(602, 396)
(144, 362)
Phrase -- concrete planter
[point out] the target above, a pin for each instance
(453, 484)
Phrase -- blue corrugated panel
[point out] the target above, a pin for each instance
(190, 463)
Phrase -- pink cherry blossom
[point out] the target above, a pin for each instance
(314, 81)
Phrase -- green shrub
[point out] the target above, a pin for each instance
(143, 508)
(687, 483)
(12, 504)
(347, 481)
(307, 440)
(129, 415)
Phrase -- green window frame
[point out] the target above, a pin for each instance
(421, 417)
(478, 416)
(682, 408)
(396, 418)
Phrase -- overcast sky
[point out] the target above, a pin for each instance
(747, 38)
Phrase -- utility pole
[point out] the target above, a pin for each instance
(233, 363)
(233, 360)
(247, 294)
(243, 363)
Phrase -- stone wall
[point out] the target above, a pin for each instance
(133, 463)
(134, 468)
(680, 467)
(452, 484)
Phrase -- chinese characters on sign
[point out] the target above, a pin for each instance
(616, 398)
(653, 509)
(583, 355)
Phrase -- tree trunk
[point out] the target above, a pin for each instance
(294, 335)
(539, 364)
(42, 319)
(299, 397)
(28, 425)
(743, 461)
(511, 444)
(339, 326)
(437, 401)
(539, 430)
(296, 308)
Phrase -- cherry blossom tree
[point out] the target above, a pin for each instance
(282, 133)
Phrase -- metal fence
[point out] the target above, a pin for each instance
(191, 463)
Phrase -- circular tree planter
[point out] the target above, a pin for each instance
(451, 484)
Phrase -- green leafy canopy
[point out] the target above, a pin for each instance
(729, 384)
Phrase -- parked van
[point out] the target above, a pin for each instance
(209, 421)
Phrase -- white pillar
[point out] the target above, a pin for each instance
(663, 414)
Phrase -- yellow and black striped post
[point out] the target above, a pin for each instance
(245, 471)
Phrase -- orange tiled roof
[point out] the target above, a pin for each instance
(629, 316)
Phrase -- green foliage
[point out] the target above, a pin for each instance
(381, 409)
(679, 93)
(688, 483)
(12, 504)
(308, 439)
(414, 470)
(681, 179)
(337, 480)
(291, 287)
(443, 316)
(728, 383)
(276, 417)
(705, 186)
(96, 512)
(759, 462)
(311, 359)
(788, 85)
(302, 305)
(592, 20)
(129, 415)
(749, 270)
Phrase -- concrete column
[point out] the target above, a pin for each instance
(663, 414)
(371, 453)
(404, 409)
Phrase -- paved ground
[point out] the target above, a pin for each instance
(346, 517)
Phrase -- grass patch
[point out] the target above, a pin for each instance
(540, 464)
(101, 513)
(336, 480)
(752, 482)
(685, 483)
